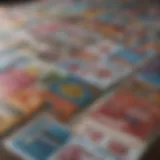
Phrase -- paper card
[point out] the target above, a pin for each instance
(104, 72)
(99, 76)
(75, 90)
(60, 108)
(128, 114)
(95, 65)
(9, 116)
(109, 143)
(28, 100)
(38, 140)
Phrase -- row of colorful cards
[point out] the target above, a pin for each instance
(60, 61)
(133, 109)
(46, 139)
(101, 63)
(116, 19)
(131, 113)
(27, 84)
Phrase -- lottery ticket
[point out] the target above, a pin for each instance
(127, 113)
(38, 140)
(71, 88)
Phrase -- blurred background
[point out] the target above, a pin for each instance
(79, 79)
